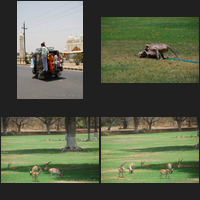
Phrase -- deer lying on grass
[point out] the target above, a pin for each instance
(169, 165)
(11, 167)
(53, 170)
(142, 164)
(181, 166)
(164, 171)
(121, 169)
(131, 167)
(36, 174)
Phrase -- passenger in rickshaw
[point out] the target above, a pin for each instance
(44, 56)
(60, 60)
(51, 64)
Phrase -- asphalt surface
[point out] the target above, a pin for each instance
(68, 86)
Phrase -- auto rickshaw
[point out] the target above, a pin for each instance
(54, 66)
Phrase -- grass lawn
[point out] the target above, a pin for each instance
(28, 151)
(157, 149)
(123, 37)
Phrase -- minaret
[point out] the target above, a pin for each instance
(21, 45)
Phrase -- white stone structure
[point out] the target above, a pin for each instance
(74, 45)
(21, 46)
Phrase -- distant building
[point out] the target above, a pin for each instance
(74, 45)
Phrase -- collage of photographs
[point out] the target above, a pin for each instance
(141, 70)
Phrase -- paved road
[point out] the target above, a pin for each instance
(68, 86)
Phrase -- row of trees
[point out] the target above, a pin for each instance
(70, 128)
(57, 123)
(124, 122)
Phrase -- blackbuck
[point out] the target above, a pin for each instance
(121, 169)
(142, 164)
(169, 166)
(36, 174)
(181, 166)
(164, 171)
(11, 167)
(131, 167)
(55, 171)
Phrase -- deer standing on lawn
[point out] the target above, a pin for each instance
(169, 166)
(121, 169)
(142, 164)
(164, 171)
(53, 170)
(9, 167)
(131, 168)
(36, 174)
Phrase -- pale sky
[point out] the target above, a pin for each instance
(49, 21)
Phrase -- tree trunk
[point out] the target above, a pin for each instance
(95, 129)
(70, 127)
(5, 124)
(136, 124)
(48, 128)
(89, 129)
(179, 125)
(110, 124)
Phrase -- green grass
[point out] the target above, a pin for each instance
(123, 37)
(157, 149)
(27, 151)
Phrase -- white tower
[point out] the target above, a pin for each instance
(21, 45)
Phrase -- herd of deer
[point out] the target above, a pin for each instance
(36, 171)
(166, 172)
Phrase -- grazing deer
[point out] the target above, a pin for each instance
(9, 167)
(36, 174)
(131, 168)
(142, 164)
(52, 170)
(164, 171)
(169, 166)
(55, 171)
(121, 169)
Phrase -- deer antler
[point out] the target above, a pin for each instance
(47, 163)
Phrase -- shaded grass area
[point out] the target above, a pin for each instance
(157, 150)
(28, 151)
(123, 37)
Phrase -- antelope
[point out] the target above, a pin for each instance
(55, 171)
(164, 171)
(52, 170)
(169, 166)
(142, 164)
(36, 174)
(11, 167)
(131, 167)
(121, 169)
(181, 166)
(34, 169)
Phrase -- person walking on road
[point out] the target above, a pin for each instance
(44, 56)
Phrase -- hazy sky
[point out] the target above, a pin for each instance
(49, 21)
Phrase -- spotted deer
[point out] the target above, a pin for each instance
(9, 167)
(36, 174)
(142, 164)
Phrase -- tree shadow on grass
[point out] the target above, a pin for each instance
(163, 148)
(44, 151)
(72, 172)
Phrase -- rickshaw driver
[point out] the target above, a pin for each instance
(44, 56)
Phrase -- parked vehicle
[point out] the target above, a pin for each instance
(54, 66)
